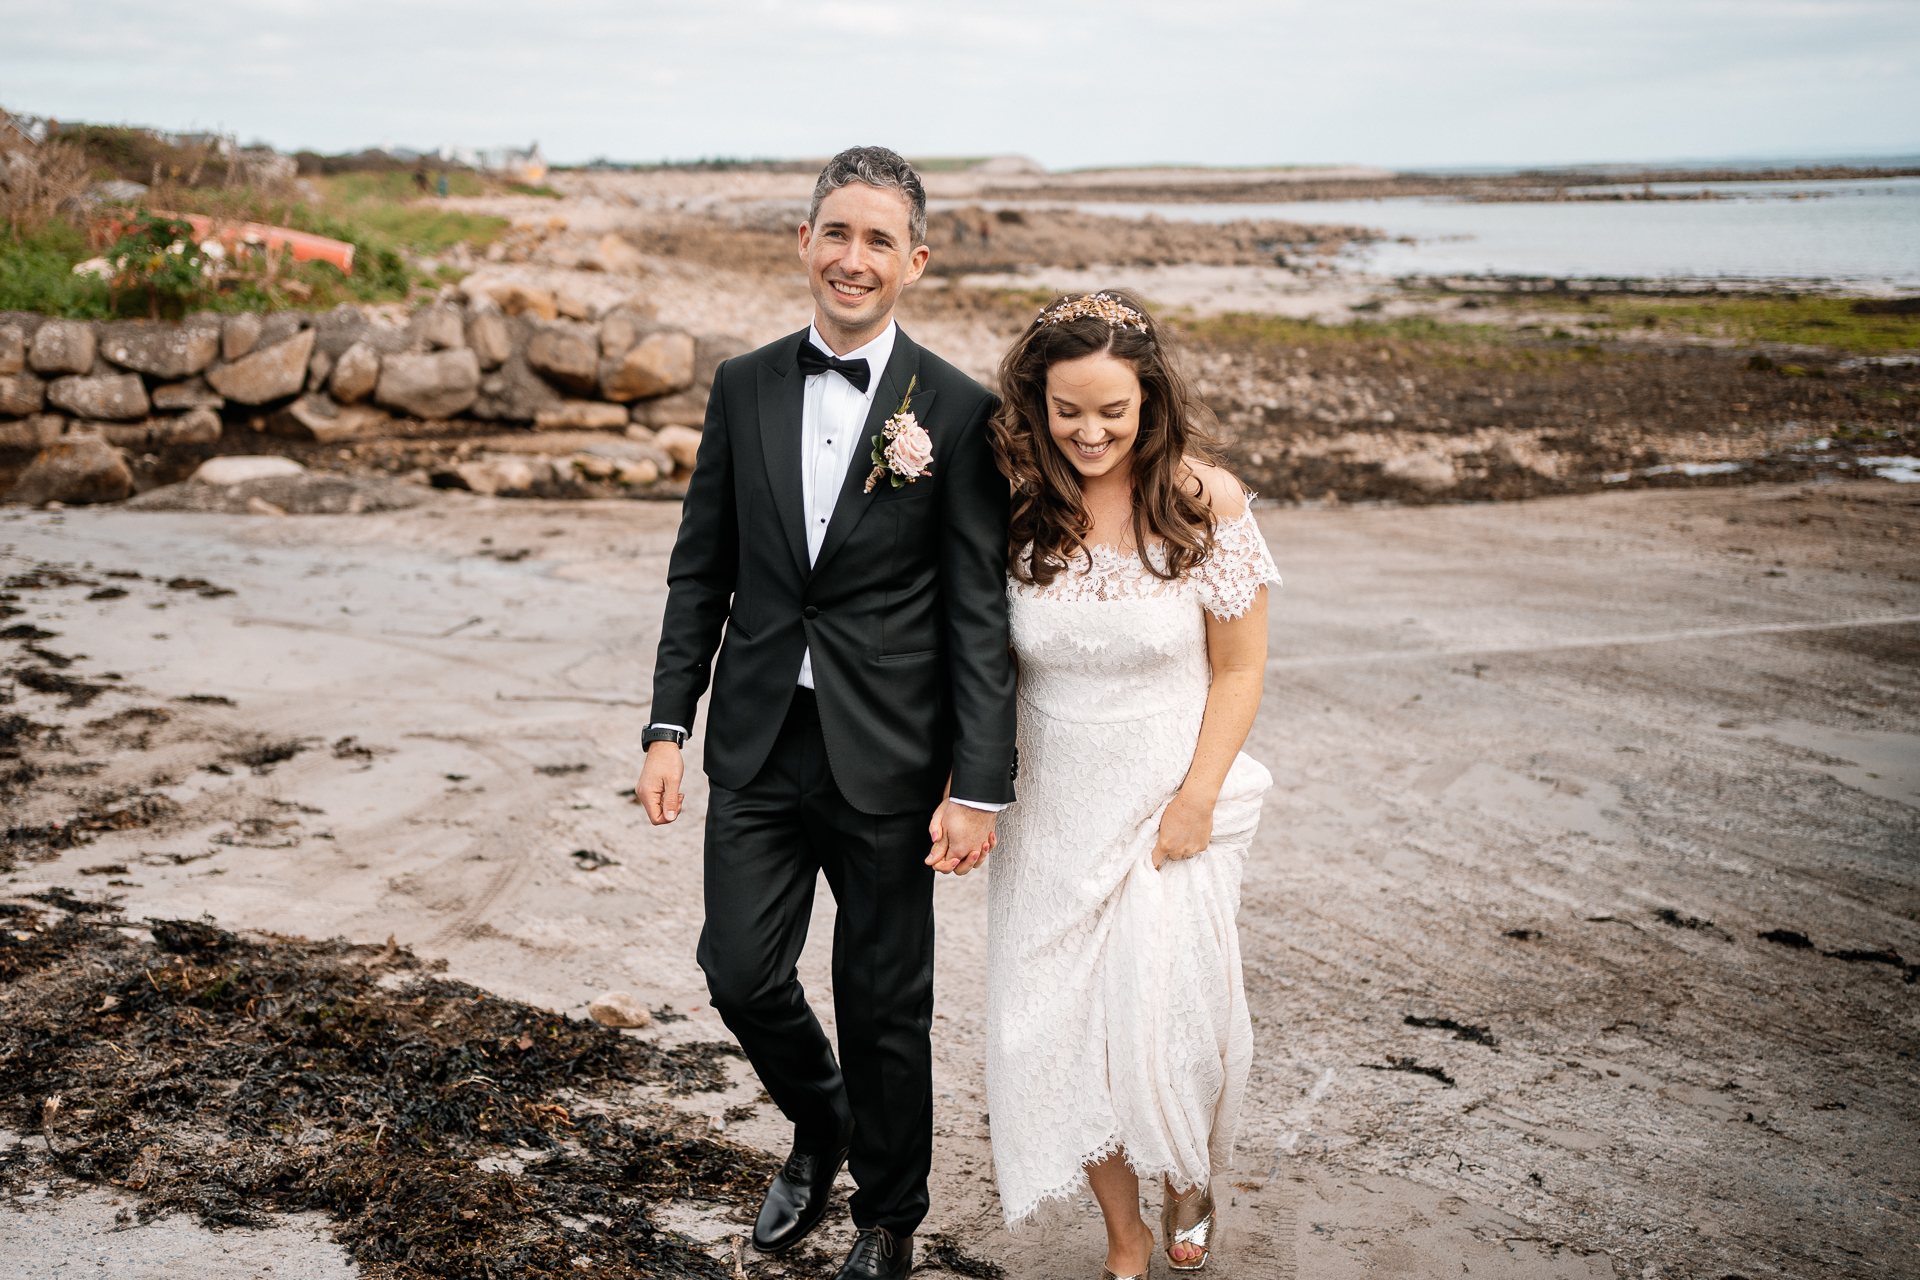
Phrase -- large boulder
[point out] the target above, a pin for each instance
(356, 373)
(195, 426)
(709, 349)
(487, 334)
(239, 334)
(269, 373)
(437, 328)
(278, 326)
(21, 394)
(613, 254)
(116, 397)
(568, 355)
(165, 351)
(620, 329)
(300, 492)
(681, 409)
(516, 299)
(318, 418)
(660, 363)
(75, 469)
(515, 393)
(194, 393)
(36, 432)
(62, 346)
(13, 349)
(436, 385)
(576, 415)
(339, 329)
(682, 444)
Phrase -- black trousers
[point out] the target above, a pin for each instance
(765, 844)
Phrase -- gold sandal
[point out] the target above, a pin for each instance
(1188, 1221)
(1106, 1273)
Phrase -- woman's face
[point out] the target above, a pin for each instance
(1093, 413)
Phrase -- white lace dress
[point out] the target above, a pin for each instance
(1115, 1016)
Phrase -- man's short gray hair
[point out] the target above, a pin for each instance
(877, 167)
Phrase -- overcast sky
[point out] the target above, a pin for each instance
(1393, 82)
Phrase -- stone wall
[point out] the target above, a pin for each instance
(356, 373)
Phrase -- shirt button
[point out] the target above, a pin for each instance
(809, 613)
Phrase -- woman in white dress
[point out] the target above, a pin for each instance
(1118, 1036)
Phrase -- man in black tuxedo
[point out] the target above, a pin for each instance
(861, 625)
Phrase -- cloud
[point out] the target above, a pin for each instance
(1069, 82)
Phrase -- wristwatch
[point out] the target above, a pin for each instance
(654, 733)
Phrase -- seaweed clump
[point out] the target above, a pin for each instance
(449, 1133)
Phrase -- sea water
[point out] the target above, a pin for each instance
(1848, 232)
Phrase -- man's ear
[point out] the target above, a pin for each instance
(806, 238)
(916, 264)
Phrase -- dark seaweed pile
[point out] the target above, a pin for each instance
(235, 1078)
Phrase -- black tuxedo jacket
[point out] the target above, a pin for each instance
(905, 609)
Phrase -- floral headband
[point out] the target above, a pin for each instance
(1103, 306)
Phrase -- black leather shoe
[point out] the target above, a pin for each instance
(798, 1198)
(878, 1255)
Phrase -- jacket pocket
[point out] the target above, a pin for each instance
(916, 655)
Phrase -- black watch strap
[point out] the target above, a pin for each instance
(654, 733)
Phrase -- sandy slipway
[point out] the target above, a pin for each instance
(1580, 929)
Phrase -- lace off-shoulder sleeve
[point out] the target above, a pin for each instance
(1240, 565)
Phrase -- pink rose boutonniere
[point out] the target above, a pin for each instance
(903, 451)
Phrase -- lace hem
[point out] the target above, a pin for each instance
(1078, 1182)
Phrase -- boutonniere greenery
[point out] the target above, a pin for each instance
(903, 451)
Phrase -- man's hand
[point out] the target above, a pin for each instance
(659, 786)
(962, 838)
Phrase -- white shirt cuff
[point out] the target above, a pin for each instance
(681, 729)
(978, 804)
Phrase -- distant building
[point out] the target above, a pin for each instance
(512, 163)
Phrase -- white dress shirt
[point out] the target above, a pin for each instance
(833, 418)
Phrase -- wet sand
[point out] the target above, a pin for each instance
(1506, 740)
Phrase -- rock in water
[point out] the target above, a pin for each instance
(62, 346)
(165, 351)
(659, 363)
(619, 1009)
(243, 467)
(115, 397)
(272, 373)
(75, 469)
(438, 385)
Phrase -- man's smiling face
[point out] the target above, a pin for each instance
(860, 254)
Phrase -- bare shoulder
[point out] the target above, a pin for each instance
(1220, 489)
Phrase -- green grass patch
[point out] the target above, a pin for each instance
(1380, 343)
(1811, 321)
(36, 274)
(543, 190)
(386, 206)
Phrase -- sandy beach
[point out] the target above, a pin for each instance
(1545, 774)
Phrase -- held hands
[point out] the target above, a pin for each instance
(659, 787)
(962, 838)
(1186, 828)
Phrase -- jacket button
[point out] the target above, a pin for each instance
(809, 613)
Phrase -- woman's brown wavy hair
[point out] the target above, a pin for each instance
(1048, 509)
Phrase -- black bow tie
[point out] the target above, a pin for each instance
(813, 360)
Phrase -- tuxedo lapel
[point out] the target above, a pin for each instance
(783, 394)
(902, 367)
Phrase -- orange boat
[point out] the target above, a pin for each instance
(305, 246)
